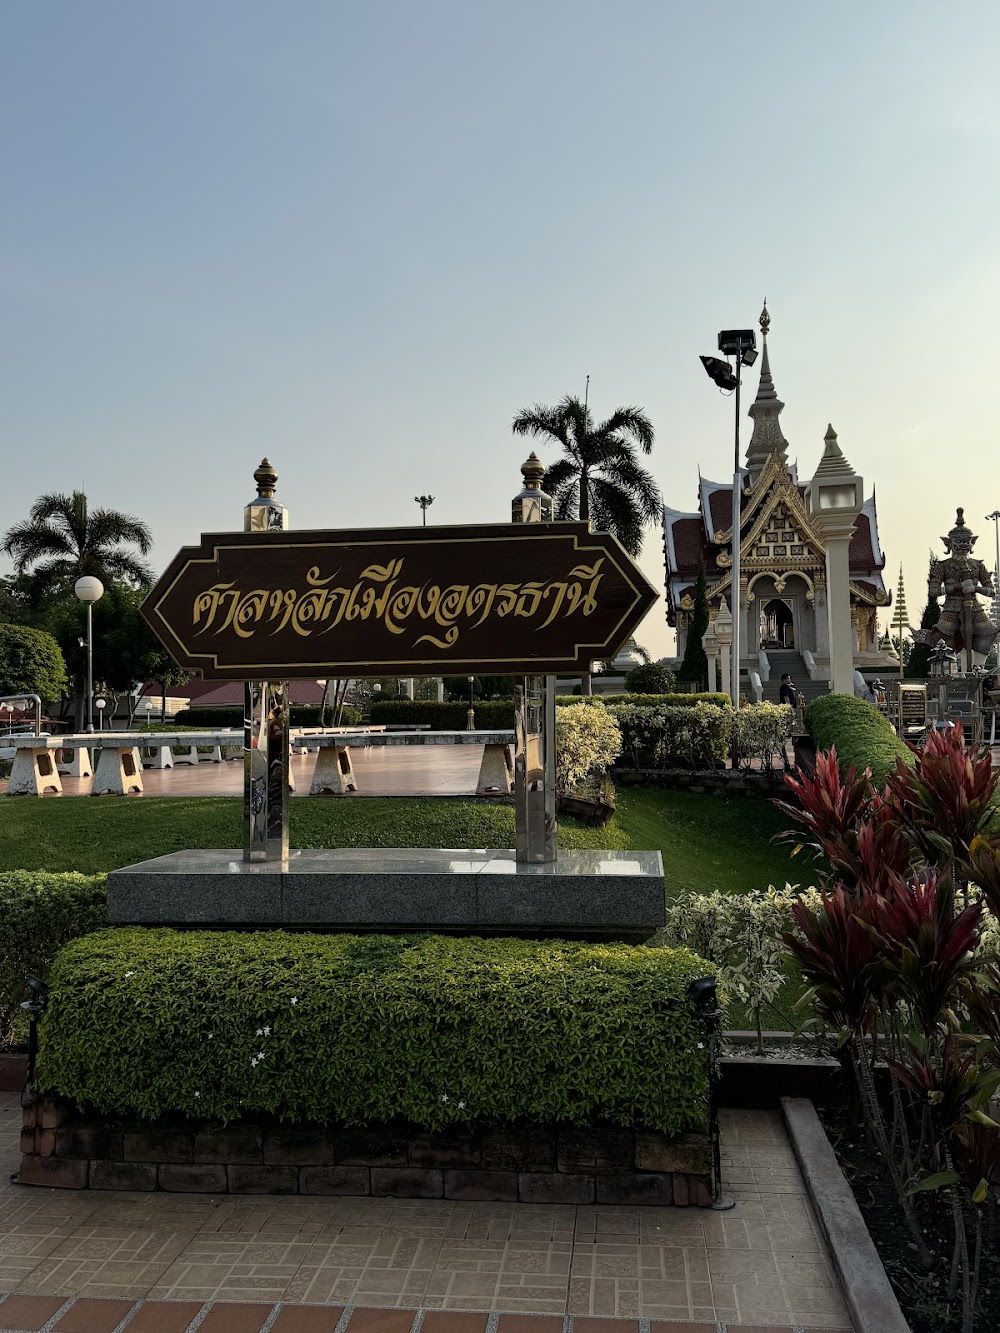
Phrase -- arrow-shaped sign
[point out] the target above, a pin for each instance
(502, 599)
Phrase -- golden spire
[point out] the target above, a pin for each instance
(765, 319)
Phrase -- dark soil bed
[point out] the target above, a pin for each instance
(922, 1293)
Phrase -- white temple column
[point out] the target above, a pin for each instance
(835, 495)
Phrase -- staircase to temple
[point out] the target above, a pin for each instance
(787, 659)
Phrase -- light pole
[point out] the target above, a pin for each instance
(89, 590)
(994, 518)
(471, 720)
(100, 705)
(741, 344)
(425, 502)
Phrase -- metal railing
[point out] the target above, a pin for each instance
(26, 698)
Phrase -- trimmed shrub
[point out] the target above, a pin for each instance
(666, 737)
(231, 715)
(761, 731)
(648, 700)
(588, 741)
(316, 1028)
(863, 736)
(39, 912)
(491, 715)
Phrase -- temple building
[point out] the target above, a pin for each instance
(782, 601)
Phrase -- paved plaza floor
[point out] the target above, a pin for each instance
(439, 770)
(94, 1262)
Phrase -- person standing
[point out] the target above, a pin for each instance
(788, 694)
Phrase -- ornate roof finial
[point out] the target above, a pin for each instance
(833, 463)
(767, 435)
(533, 470)
(266, 479)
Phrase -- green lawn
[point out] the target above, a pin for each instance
(707, 843)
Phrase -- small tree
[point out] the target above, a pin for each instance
(695, 664)
(650, 678)
(919, 663)
(30, 661)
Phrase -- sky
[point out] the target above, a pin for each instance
(359, 238)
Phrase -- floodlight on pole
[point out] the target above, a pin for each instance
(89, 590)
(424, 501)
(741, 345)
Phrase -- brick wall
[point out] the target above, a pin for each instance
(529, 1163)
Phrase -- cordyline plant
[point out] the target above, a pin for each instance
(889, 956)
(846, 821)
(946, 801)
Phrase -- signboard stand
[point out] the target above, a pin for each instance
(263, 606)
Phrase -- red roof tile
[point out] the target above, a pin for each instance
(689, 542)
(861, 555)
(720, 506)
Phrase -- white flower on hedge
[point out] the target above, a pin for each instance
(130, 974)
(295, 999)
(461, 1106)
(211, 1036)
(197, 1094)
(444, 1096)
(267, 1032)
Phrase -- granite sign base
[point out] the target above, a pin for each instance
(596, 895)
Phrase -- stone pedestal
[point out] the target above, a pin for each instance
(613, 895)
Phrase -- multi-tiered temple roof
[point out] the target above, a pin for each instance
(777, 538)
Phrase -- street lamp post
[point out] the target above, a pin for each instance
(89, 590)
(100, 705)
(741, 345)
(424, 501)
(470, 724)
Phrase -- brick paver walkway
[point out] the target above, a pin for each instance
(97, 1262)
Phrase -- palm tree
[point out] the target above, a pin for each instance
(600, 478)
(63, 538)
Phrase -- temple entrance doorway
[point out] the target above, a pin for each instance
(777, 624)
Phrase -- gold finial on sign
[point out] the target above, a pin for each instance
(266, 479)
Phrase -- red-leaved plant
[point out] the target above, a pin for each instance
(945, 801)
(928, 947)
(846, 821)
(890, 957)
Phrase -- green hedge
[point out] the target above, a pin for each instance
(366, 1028)
(491, 714)
(39, 913)
(231, 715)
(863, 736)
(648, 700)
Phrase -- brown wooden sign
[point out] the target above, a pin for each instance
(499, 599)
